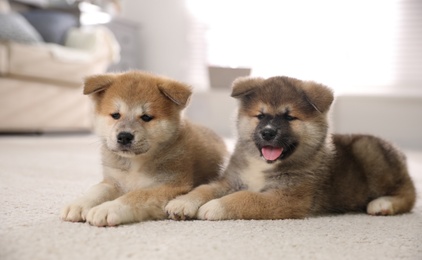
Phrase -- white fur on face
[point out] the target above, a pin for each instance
(146, 134)
(109, 128)
(244, 126)
(131, 112)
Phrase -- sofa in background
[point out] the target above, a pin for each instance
(41, 79)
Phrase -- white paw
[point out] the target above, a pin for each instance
(212, 210)
(76, 212)
(110, 213)
(182, 208)
(381, 206)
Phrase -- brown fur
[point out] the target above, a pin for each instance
(316, 173)
(165, 157)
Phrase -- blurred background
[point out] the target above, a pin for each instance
(368, 52)
(344, 44)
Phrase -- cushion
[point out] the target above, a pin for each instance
(15, 28)
(52, 25)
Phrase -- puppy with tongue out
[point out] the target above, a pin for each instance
(286, 165)
(272, 138)
(281, 123)
(271, 153)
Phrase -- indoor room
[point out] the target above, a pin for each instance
(205, 63)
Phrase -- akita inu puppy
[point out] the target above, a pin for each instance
(286, 164)
(150, 154)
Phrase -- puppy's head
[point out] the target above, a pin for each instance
(136, 111)
(282, 116)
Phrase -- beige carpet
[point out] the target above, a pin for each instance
(38, 175)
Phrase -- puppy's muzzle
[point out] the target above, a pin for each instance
(125, 138)
(268, 134)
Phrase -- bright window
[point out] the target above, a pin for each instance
(348, 45)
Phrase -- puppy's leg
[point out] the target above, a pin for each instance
(78, 209)
(134, 206)
(391, 205)
(186, 206)
(273, 204)
(381, 206)
(386, 174)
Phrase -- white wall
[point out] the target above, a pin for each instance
(395, 117)
(163, 35)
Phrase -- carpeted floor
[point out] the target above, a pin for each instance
(40, 174)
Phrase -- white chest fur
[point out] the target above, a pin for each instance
(129, 180)
(253, 176)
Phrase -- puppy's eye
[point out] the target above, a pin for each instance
(260, 116)
(290, 118)
(146, 118)
(115, 115)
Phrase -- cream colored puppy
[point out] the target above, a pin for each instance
(150, 154)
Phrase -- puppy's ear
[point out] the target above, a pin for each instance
(98, 83)
(177, 92)
(244, 86)
(318, 95)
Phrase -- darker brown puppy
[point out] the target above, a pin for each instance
(286, 165)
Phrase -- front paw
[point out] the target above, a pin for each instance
(212, 210)
(111, 213)
(75, 212)
(182, 208)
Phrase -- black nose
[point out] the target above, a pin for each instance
(268, 134)
(124, 138)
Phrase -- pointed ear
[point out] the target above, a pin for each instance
(318, 95)
(245, 85)
(98, 83)
(177, 92)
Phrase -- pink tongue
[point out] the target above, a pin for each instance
(271, 153)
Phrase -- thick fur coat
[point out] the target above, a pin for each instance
(287, 165)
(150, 153)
